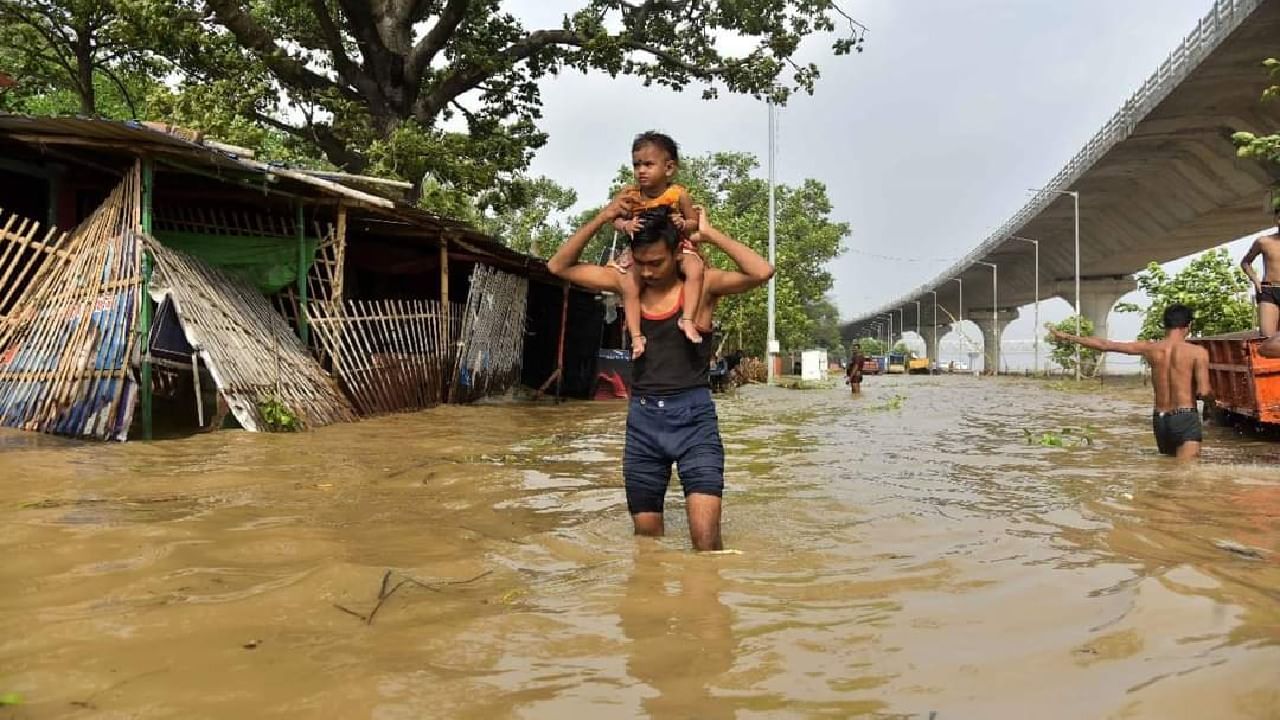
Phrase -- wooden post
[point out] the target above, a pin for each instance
(144, 298)
(564, 323)
(54, 196)
(444, 287)
(339, 254)
(304, 267)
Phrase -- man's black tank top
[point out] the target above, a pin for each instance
(670, 364)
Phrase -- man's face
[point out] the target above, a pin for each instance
(655, 262)
(652, 166)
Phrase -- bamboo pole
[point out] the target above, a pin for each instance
(303, 270)
(144, 326)
(444, 278)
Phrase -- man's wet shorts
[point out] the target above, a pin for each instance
(681, 429)
(1270, 294)
(1176, 427)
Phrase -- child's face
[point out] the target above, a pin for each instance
(653, 167)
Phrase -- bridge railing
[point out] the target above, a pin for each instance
(1222, 19)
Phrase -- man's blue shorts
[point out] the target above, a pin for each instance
(665, 429)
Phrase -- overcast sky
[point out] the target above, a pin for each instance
(926, 141)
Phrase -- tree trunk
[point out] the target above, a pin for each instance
(84, 73)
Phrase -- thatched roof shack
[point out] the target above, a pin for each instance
(368, 263)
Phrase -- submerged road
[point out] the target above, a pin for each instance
(897, 555)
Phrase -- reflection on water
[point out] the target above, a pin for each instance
(896, 560)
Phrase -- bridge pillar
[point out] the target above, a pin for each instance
(1097, 297)
(930, 338)
(992, 324)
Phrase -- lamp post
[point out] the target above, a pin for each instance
(1036, 243)
(773, 253)
(935, 325)
(995, 316)
(960, 311)
(1075, 197)
(902, 323)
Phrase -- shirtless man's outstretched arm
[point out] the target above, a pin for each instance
(1103, 344)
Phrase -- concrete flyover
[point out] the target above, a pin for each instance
(1161, 180)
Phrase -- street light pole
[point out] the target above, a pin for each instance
(1038, 330)
(773, 252)
(960, 311)
(935, 325)
(1075, 198)
(995, 316)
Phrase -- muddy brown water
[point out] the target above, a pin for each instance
(905, 554)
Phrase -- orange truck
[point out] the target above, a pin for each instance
(1244, 383)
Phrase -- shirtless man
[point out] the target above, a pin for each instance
(1267, 290)
(1179, 374)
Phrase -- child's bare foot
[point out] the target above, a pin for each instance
(637, 346)
(691, 332)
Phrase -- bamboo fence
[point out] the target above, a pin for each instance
(68, 337)
(24, 250)
(492, 335)
(390, 355)
(251, 352)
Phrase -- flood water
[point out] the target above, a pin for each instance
(905, 554)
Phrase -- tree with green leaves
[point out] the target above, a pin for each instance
(1264, 147)
(532, 223)
(1063, 352)
(448, 90)
(823, 325)
(73, 56)
(870, 346)
(1213, 286)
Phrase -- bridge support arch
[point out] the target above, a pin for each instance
(992, 324)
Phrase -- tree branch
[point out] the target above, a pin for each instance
(55, 23)
(425, 51)
(54, 45)
(254, 37)
(128, 99)
(323, 137)
(464, 79)
(349, 72)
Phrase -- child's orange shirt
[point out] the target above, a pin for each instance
(669, 198)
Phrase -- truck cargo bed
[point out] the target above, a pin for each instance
(1243, 382)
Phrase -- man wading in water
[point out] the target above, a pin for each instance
(1179, 375)
(671, 418)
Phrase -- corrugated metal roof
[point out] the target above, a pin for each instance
(135, 136)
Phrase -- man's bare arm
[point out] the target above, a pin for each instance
(1096, 343)
(688, 214)
(1246, 264)
(565, 263)
(753, 270)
